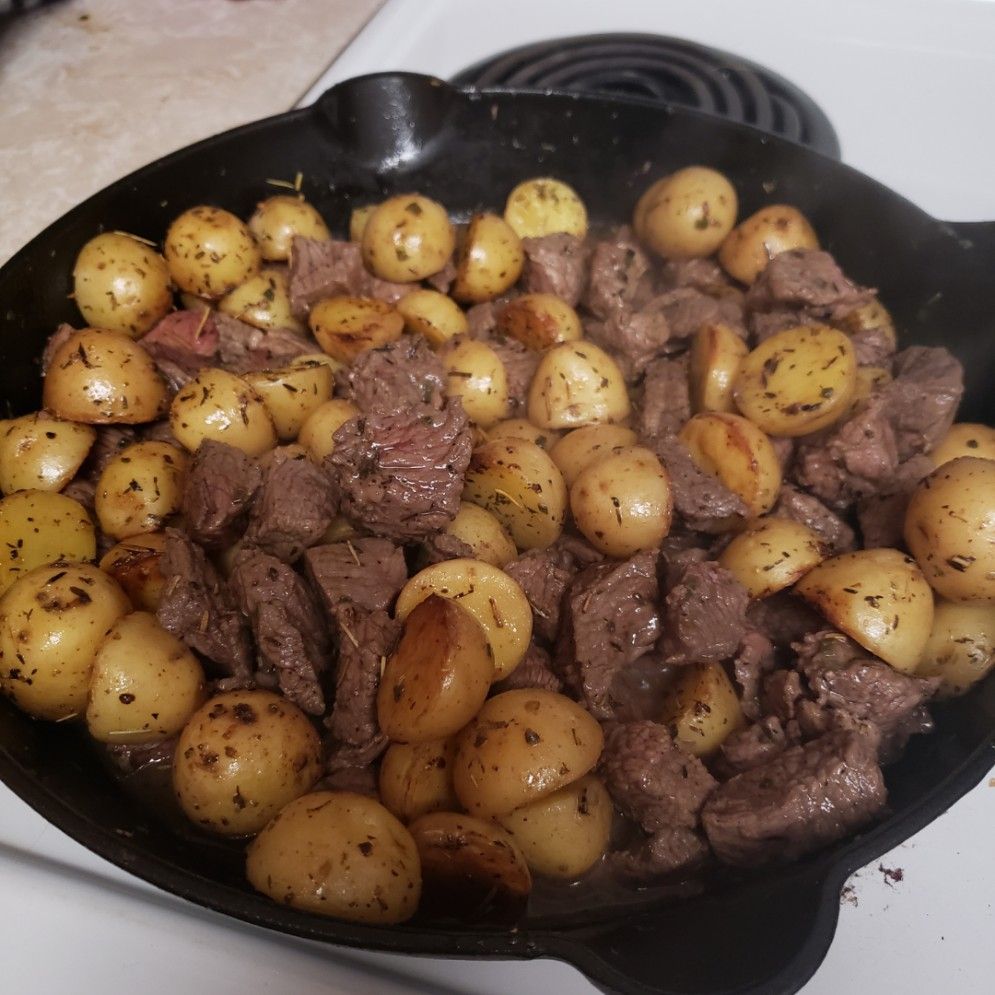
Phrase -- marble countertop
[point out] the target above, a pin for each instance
(93, 89)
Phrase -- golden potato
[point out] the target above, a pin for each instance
(961, 646)
(495, 600)
(687, 214)
(278, 219)
(416, 778)
(439, 675)
(577, 384)
(564, 834)
(772, 554)
(243, 756)
(483, 533)
(963, 439)
(520, 485)
(38, 527)
(522, 428)
(121, 284)
(221, 406)
(136, 565)
(545, 206)
(338, 854)
(51, 623)
(348, 326)
(310, 358)
(872, 315)
(436, 316)
(950, 529)
(798, 381)
(701, 708)
(622, 503)
(293, 394)
(98, 377)
(318, 431)
(140, 488)
(209, 252)
(476, 375)
(716, 354)
(523, 745)
(358, 217)
(733, 449)
(145, 684)
(263, 301)
(407, 238)
(489, 260)
(539, 321)
(879, 598)
(41, 453)
(578, 449)
(752, 244)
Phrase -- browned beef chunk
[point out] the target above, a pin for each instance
(556, 264)
(703, 502)
(783, 618)
(881, 517)
(55, 342)
(401, 475)
(687, 310)
(754, 659)
(544, 575)
(803, 799)
(242, 347)
(198, 608)
(652, 780)
(633, 337)
(220, 486)
(808, 510)
(291, 639)
(293, 509)
(702, 274)
(809, 279)
(663, 402)
(182, 343)
(401, 375)
(533, 672)
(638, 690)
(617, 267)
(752, 746)
(922, 398)
(520, 365)
(365, 573)
(483, 318)
(873, 346)
(582, 553)
(342, 757)
(704, 615)
(667, 852)
(442, 546)
(610, 619)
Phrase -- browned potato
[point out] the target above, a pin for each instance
(278, 219)
(416, 778)
(136, 564)
(407, 238)
(545, 206)
(489, 260)
(751, 245)
(702, 708)
(439, 675)
(964, 439)
(209, 252)
(436, 316)
(577, 384)
(772, 554)
(348, 326)
(41, 453)
(716, 354)
(539, 321)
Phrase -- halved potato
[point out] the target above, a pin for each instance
(407, 238)
(347, 326)
(489, 260)
(41, 453)
(578, 449)
(209, 252)
(965, 439)
(772, 554)
(539, 321)
(317, 434)
(263, 301)
(754, 242)
(701, 708)
(436, 316)
(545, 206)
(716, 354)
(961, 646)
(576, 384)
(278, 219)
(416, 778)
(522, 428)
(135, 564)
(476, 375)
(483, 533)
(292, 394)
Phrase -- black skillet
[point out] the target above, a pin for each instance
(391, 132)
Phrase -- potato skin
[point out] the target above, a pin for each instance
(338, 854)
(476, 375)
(539, 321)
(263, 301)
(581, 447)
(243, 756)
(522, 428)
(716, 355)
(278, 219)
(545, 206)
(407, 238)
(489, 260)
(754, 242)
(772, 554)
(436, 316)
(523, 745)
(965, 439)
(701, 708)
(416, 778)
(484, 534)
(210, 252)
(135, 564)
(41, 453)
(292, 394)
(576, 384)
(347, 326)
(961, 646)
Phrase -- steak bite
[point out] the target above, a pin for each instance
(243, 348)
(556, 264)
(220, 486)
(544, 575)
(618, 265)
(663, 401)
(182, 343)
(360, 573)
(403, 374)
(808, 279)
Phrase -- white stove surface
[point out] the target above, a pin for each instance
(908, 87)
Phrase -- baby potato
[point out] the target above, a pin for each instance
(523, 745)
(521, 487)
(961, 646)
(476, 375)
(701, 708)
(582, 447)
(51, 623)
(99, 377)
(439, 675)
(950, 529)
(145, 684)
(545, 206)
(522, 428)
(292, 394)
(319, 428)
(310, 358)
(140, 488)
(470, 866)
(263, 301)
(623, 503)
(136, 564)
(121, 284)
(873, 314)
(416, 778)
(348, 326)
(798, 381)
(489, 260)
(495, 600)
(564, 834)
(278, 219)
(772, 554)
(687, 214)
(358, 217)
(338, 854)
(752, 244)
(436, 316)
(879, 598)
(243, 756)
(38, 527)
(962, 439)
(540, 321)
(41, 453)
(733, 449)
(577, 384)
(407, 238)
(221, 406)
(716, 354)
(483, 533)
(210, 252)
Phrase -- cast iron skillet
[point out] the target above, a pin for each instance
(391, 132)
